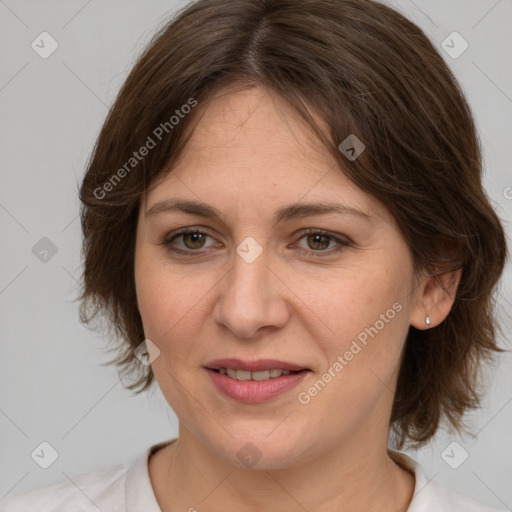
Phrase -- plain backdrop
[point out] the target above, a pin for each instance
(53, 387)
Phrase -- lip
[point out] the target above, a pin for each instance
(251, 391)
(254, 366)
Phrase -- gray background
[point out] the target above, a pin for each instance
(53, 387)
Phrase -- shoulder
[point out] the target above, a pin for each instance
(430, 495)
(452, 501)
(104, 490)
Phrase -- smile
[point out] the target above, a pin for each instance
(254, 381)
(258, 376)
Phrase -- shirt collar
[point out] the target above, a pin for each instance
(425, 498)
(139, 491)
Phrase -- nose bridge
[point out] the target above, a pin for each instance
(249, 275)
(248, 298)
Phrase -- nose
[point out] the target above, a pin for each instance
(252, 299)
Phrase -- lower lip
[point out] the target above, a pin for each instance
(253, 391)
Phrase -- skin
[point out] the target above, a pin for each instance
(246, 158)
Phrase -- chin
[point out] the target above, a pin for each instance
(261, 451)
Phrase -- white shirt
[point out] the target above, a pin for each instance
(127, 488)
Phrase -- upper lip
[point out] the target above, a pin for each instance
(253, 366)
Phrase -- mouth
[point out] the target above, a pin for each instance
(254, 381)
(259, 376)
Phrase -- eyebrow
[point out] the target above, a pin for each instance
(285, 213)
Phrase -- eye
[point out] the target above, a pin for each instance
(318, 241)
(192, 240)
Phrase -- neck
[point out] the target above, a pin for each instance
(186, 475)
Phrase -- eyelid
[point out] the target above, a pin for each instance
(184, 231)
(318, 231)
(341, 243)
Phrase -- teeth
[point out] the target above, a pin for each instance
(263, 375)
(243, 375)
(258, 376)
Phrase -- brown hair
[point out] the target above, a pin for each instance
(365, 70)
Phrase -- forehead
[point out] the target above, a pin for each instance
(248, 149)
(250, 128)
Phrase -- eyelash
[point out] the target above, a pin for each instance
(342, 244)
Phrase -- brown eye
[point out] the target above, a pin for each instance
(193, 240)
(187, 241)
(318, 242)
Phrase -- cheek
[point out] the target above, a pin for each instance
(366, 322)
(361, 358)
(171, 300)
(354, 299)
(169, 305)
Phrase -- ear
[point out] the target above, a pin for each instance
(435, 297)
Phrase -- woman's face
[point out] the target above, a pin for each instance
(255, 286)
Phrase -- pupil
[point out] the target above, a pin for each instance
(316, 239)
(196, 238)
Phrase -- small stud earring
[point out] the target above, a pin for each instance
(427, 320)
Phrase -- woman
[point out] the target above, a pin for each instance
(280, 228)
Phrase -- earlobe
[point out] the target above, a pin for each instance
(435, 299)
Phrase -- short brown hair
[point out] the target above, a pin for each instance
(365, 70)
